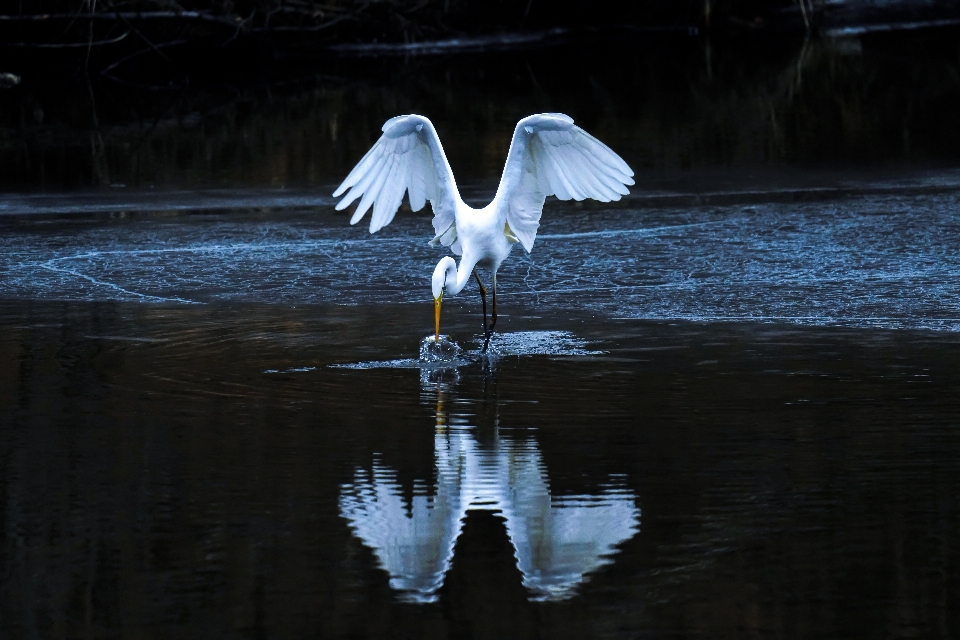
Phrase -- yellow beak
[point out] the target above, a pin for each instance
(436, 316)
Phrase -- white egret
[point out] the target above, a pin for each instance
(549, 155)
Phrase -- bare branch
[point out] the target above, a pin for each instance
(67, 45)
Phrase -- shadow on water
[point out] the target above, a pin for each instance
(666, 104)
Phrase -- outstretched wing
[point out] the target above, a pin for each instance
(408, 157)
(549, 155)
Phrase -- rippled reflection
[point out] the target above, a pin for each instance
(557, 541)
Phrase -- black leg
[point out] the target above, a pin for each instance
(483, 299)
(493, 321)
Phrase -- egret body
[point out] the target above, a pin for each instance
(549, 155)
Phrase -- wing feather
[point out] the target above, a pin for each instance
(373, 188)
(560, 168)
(360, 180)
(586, 172)
(391, 197)
(581, 172)
(359, 170)
(537, 158)
(589, 174)
(549, 155)
(382, 199)
(417, 187)
(408, 158)
(609, 162)
(557, 185)
(618, 187)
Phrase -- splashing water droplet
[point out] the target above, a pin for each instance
(442, 350)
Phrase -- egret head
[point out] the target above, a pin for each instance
(444, 269)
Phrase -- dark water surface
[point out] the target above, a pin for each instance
(699, 421)
(710, 479)
(726, 406)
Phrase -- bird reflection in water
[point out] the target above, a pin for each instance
(557, 541)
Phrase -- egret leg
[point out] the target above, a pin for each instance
(483, 299)
(486, 329)
(493, 319)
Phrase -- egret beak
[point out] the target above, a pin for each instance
(436, 316)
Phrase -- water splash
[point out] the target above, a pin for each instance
(443, 350)
(447, 354)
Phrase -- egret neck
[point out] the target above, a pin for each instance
(446, 278)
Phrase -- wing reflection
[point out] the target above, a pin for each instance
(557, 541)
